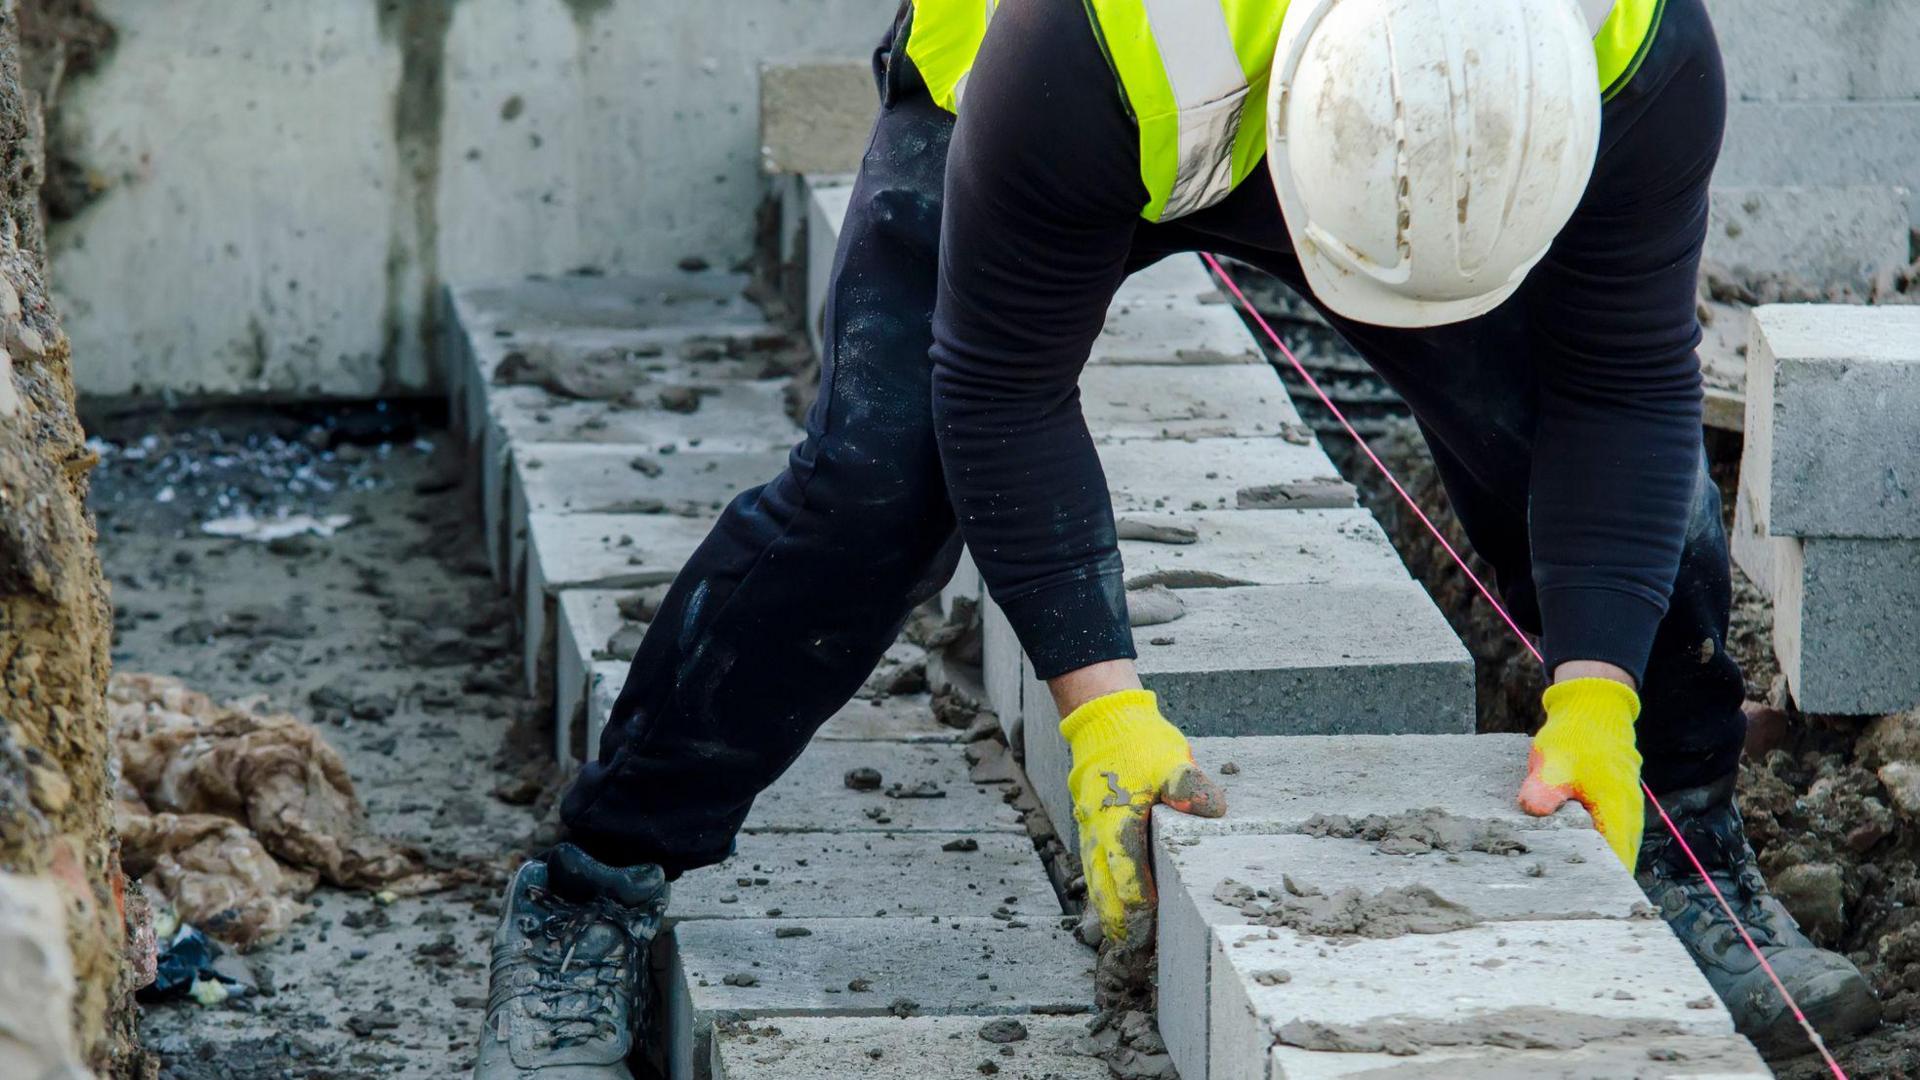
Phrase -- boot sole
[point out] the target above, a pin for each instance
(1839, 1004)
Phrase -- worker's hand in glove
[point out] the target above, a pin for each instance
(1585, 752)
(1126, 758)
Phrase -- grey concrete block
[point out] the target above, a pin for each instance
(594, 551)
(953, 967)
(827, 200)
(1278, 782)
(1832, 393)
(1183, 401)
(1173, 330)
(738, 417)
(860, 875)
(1262, 547)
(1563, 874)
(585, 622)
(1754, 552)
(1207, 474)
(906, 718)
(1820, 144)
(1614, 977)
(1048, 760)
(965, 584)
(812, 795)
(1001, 661)
(1823, 235)
(917, 1048)
(1843, 624)
(600, 478)
(815, 115)
(1794, 50)
(1631, 1057)
(1310, 660)
(1182, 278)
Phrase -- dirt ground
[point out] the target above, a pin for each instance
(392, 638)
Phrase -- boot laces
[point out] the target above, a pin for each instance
(1719, 839)
(576, 996)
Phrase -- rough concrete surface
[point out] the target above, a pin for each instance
(1820, 143)
(1840, 49)
(863, 967)
(924, 788)
(1185, 401)
(1207, 474)
(463, 141)
(1826, 235)
(1261, 547)
(1844, 628)
(1546, 984)
(1213, 881)
(1832, 391)
(871, 875)
(1309, 660)
(915, 1048)
(1172, 331)
(815, 115)
(1629, 1057)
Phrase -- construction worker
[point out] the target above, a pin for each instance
(1499, 203)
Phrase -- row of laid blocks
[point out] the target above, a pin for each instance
(1828, 514)
(1464, 925)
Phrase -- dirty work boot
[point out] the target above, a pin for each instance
(568, 986)
(1828, 987)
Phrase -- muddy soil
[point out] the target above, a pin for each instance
(390, 637)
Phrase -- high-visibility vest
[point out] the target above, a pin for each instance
(1194, 75)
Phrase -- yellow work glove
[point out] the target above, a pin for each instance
(1126, 758)
(1585, 752)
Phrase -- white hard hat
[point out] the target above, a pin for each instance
(1427, 152)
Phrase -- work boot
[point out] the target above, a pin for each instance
(568, 987)
(1833, 993)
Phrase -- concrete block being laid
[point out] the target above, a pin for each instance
(916, 1048)
(1152, 401)
(1637, 1056)
(1278, 783)
(1181, 278)
(860, 875)
(1832, 446)
(1821, 235)
(741, 969)
(1843, 623)
(1484, 985)
(1221, 474)
(1491, 868)
(815, 115)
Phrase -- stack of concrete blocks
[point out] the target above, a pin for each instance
(1828, 517)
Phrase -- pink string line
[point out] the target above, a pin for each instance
(1819, 1044)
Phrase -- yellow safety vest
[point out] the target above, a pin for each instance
(1199, 97)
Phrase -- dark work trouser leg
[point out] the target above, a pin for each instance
(1472, 388)
(789, 603)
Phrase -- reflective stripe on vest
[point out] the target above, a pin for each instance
(1195, 77)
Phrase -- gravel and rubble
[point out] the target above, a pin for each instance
(390, 638)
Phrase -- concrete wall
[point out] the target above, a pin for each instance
(285, 181)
